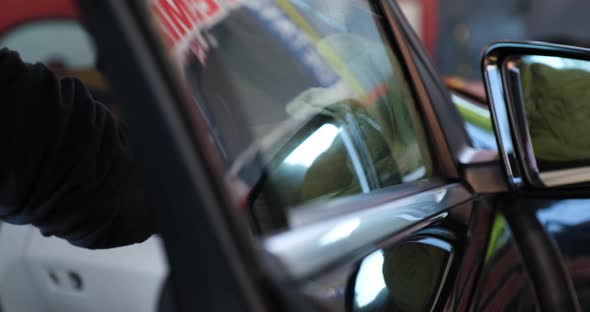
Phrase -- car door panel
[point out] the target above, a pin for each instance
(463, 233)
(566, 221)
(310, 249)
(380, 281)
(504, 283)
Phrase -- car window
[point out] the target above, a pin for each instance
(324, 96)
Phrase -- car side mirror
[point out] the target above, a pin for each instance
(407, 277)
(540, 100)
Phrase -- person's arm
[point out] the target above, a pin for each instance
(65, 166)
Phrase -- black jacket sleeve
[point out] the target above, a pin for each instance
(65, 166)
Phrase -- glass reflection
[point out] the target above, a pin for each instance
(556, 94)
(340, 232)
(369, 283)
(407, 277)
(313, 146)
(568, 223)
(313, 83)
(558, 62)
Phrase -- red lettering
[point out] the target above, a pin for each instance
(212, 7)
(178, 18)
(171, 36)
(179, 14)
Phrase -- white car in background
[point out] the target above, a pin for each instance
(46, 274)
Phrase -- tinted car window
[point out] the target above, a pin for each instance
(323, 94)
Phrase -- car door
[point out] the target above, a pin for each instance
(300, 154)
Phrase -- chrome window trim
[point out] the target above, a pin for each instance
(355, 159)
(310, 249)
(493, 82)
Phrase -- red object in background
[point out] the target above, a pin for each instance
(14, 12)
(423, 17)
(430, 26)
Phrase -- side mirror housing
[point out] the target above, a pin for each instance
(540, 101)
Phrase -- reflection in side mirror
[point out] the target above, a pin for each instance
(540, 98)
(407, 277)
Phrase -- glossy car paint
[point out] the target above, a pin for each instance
(494, 262)
(567, 221)
(504, 284)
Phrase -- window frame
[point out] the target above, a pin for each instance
(446, 127)
(197, 178)
(444, 152)
(437, 152)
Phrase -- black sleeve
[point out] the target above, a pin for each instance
(65, 166)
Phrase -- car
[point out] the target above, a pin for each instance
(306, 155)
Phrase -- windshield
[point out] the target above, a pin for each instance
(454, 32)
